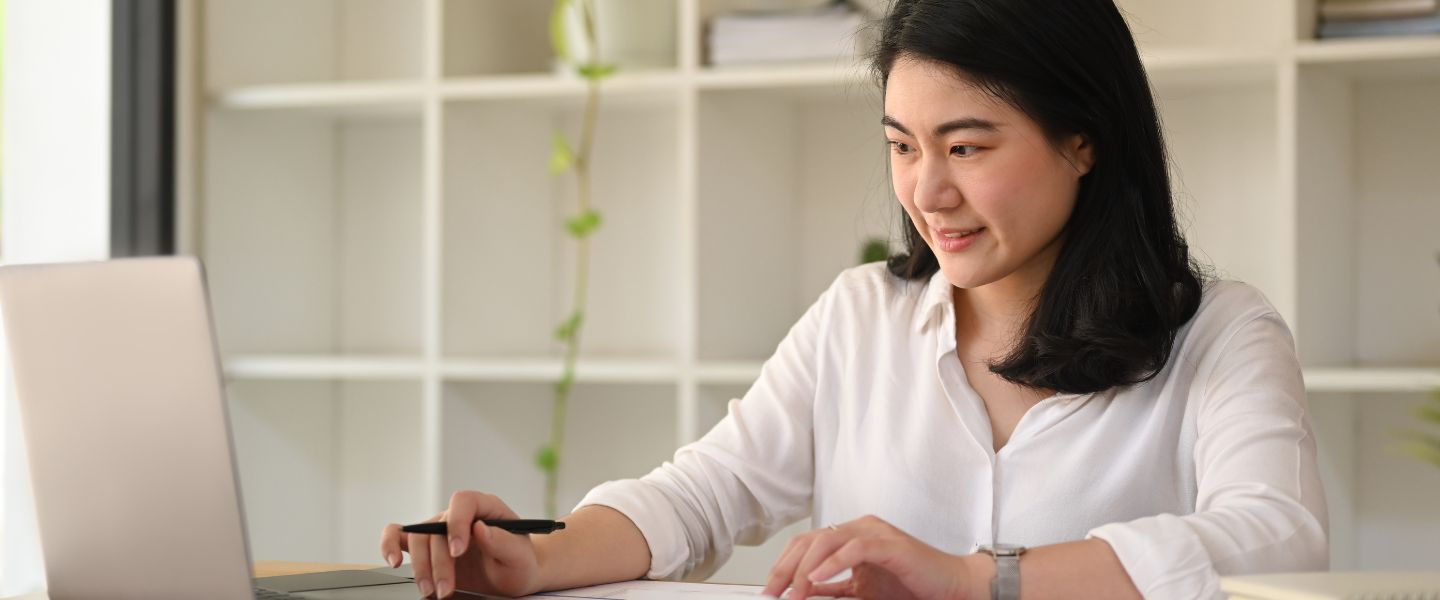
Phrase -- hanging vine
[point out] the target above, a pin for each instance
(580, 226)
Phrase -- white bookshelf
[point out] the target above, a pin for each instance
(387, 261)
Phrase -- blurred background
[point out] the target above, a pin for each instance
(368, 184)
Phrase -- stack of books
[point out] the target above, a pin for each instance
(823, 33)
(1378, 18)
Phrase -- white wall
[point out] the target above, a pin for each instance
(56, 190)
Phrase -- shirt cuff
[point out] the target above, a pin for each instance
(652, 513)
(1163, 557)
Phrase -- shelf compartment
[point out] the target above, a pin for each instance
(862, 40)
(780, 76)
(312, 41)
(547, 87)
(1209, 67)
(1372, 380)
(638, 370)
(1223, 145)
(491, 433)
(324, 465)
(335, 99)
(487, 37)
(351, 368)
(1161, 24)
(1394, 59)
(1368, 251)
(789, 189)
(403, 98)
(1381, 501)
(739, 372)
(311, 236)
(508, 270)
(1397, 526)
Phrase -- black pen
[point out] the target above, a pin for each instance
(510, 525)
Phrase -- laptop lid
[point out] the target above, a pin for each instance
(121, 401)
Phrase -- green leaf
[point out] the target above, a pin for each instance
(561, 157)
(584, 224)
(1428, 451)
(562, 387)
(558, 43)
(597, 72)
(546, 459)
(1428, 413)
(567, 330)
(874, 250)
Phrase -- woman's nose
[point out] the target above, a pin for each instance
(935, 188)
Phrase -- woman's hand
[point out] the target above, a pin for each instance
(884, 562)
(473, 557)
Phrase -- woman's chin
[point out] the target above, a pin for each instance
(964, 276)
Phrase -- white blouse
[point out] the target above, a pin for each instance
(1206, 470)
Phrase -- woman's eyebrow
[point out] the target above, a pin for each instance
(946, 127)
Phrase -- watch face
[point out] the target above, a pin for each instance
(1003, 550)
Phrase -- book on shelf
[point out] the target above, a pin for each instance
(1359, 10)
(1427, 25)
(824, 33)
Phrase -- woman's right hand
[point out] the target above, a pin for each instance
(473, 557)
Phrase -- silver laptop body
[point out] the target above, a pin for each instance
(121, 401)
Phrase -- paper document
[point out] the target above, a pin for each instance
(657, 590)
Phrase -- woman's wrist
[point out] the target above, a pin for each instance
(977, 572)
(543, 577)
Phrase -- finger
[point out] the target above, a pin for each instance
(784, 568)
(838, 589)
(420, 562)
(442, 566)
(503, 546)
(877, 551)
(392, 544)
(824, 545)
(460, 517)
(467, 507)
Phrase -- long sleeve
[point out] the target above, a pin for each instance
(1259, 504)
(750, 476)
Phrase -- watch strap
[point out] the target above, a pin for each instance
(1006, 584)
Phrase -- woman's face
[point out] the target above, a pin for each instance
(984, 186)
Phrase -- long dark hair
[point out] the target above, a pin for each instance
(1124, 281)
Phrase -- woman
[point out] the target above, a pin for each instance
(1044, 367)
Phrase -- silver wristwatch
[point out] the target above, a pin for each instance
(1006, 584)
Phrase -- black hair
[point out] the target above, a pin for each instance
(1124, 281)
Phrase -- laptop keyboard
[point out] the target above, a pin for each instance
(264, 594)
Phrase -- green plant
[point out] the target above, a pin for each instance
(1424, 444)
(875, 249)
(581, 225)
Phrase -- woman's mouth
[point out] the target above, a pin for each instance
(955, 240)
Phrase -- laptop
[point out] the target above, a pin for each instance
(131, 457)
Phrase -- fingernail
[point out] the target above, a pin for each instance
(456, 548)
(426, 587)
(445, 589)
(392, 560)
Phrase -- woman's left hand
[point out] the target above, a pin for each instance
(884, 562)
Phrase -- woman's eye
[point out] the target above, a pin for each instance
(900, 147)
(963, 151)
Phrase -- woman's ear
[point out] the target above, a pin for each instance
(1081, 153)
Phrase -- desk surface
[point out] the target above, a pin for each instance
(265, 568)
(272, 568)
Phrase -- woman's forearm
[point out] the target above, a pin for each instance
(1083, 569)
(598, 545)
